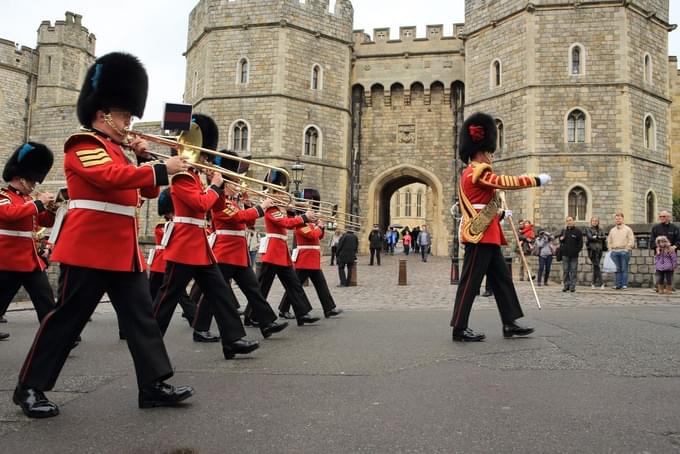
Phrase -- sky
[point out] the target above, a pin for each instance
(156, 30)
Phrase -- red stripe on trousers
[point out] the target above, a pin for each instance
(456, 317)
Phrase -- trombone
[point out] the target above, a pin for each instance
(188, 143)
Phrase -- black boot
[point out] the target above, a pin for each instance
(307, 319)
(287, 315)
(513, 329)
(4, 336)
(273, 327)
(242, 346)
(467, 335)
(163, 395)
(333, 312)
(34, 403)
(205, 336)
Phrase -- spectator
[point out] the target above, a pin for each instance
(571, 243)
(596, 243)
(407, 242)
(545, 250)
(425, 242)
(334, 245)
(347, 256)
(620, 242)
(392, 238)
(375, 241)
(665, 262)
(414, 239)
(253, 245)
(526, 240)
(667, 229)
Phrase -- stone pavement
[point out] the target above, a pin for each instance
(599, 375)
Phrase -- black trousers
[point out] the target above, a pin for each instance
(258, 308)
(36, 284)
(480, 260)
(344, 278)
(80, 290)
(334, 250)
(320, 285)
(218, 296)
(188, 306)
(375, 251)
(289, 280)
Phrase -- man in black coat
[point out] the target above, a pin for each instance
(666, 228)
(375, 242)
(347, 256)
(571, 243)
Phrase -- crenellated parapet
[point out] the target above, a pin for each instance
(407, 41)
(21, 59)
(69, 32)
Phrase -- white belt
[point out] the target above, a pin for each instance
(185, 220)
(106, 207)
(159, 247)
(242, 233)
(479, 206)
(309, 247)
(277, 235)
(22, 234)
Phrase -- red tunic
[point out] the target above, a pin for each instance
(478, 185)
(20, 213)
(230, 226)
(97, 170)
(158, 263)
(277, 223)
(309, 247)
(189, 242)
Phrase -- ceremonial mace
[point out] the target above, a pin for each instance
(508, 216)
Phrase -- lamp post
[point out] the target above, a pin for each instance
(457, 104)
(298, 169)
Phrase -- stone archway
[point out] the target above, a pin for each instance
(383, 186)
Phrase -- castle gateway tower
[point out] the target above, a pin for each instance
(274, 74)
(580, 91)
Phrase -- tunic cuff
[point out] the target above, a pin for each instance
(39, 205)
(260, 211)
(160, 175)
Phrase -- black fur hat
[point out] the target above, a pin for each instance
(31, 160)
(477, 134)
(115, 80)
(165, 205)
(209, 130)
(276, 177)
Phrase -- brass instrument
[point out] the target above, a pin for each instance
(188, 144)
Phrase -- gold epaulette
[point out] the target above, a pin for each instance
(478, 168)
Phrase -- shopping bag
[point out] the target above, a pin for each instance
(609, 266)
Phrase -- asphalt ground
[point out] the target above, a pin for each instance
(599, 375)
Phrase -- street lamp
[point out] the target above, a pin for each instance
(298, 169)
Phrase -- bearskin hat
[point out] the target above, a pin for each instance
(478, 134)
(165, 205)
(115, 80)
(209, 130)
(276, 177)
(31, 160)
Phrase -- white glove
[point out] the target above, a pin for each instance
(508, 213)
(544, 178)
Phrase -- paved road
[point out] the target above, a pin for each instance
(599, 375)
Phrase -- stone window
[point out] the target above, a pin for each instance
(647, 75)
(577, 54)
(650, 207)
(312, 142)
(576, 127)
(496, 73)
(650, 132)
(407, 204)
(317, 78)
(194, 85)
(577, 203)
(419, 204)
(437, 93)
(500, 139)
(240, 137)
(398, 197)
(243, 74)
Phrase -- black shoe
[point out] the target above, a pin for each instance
(205, 336)
(572, 290)
(286, 315)
(163, 395)
(307, 319)
(3, 319)
(273, 327)
(333, 312)
(487, 293)
(513, 329)
(242, 346)
(4, 336)
(467, 335)
(565, 289)
(34, 403)
(247, 321)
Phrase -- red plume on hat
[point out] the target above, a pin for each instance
(478, 134)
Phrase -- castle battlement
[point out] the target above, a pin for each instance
(21, 58)
(381, 36)
(408, 42)
(69, 31)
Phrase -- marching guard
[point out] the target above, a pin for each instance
(104, 189)
(188, 253)
(20, 218)
(481, 230)
(307, 259)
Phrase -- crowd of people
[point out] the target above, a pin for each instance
(418, 240)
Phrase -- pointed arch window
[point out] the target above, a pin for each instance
(419, 204)
(240, 135)
(647, 68)
(398, 197)
(407, 204)
(243, 71)
(577, 203)
(312, 142)
(649, 132)
(496, 73)
(576, 127)
(577, 55)
(650, 207)
(316, 80)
